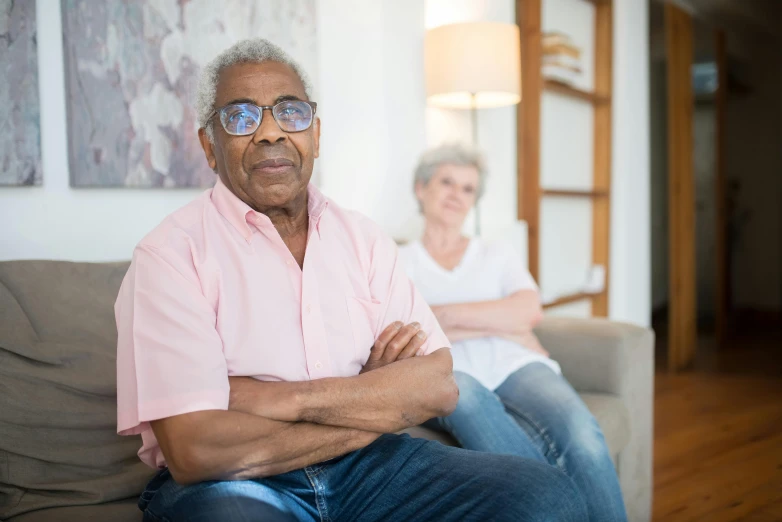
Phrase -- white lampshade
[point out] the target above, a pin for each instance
(481, 58)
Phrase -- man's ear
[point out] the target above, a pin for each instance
(208, 149)
(316, 130)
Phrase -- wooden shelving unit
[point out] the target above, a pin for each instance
(566, 299)
(530, 193)
(575, 193)
(567, 90)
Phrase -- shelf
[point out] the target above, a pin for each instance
(569, 299)
(567, 90)
(530, 119)
(576, 193)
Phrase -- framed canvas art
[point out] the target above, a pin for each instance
(20, 141)
(131, 69)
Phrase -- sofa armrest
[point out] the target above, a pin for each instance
(597, 355)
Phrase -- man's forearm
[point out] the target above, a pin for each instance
(397, 396)
(229, 445)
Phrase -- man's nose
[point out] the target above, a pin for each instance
(268, 130)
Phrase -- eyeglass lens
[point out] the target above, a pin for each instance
(241, 119)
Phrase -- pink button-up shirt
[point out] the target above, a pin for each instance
(213, 292)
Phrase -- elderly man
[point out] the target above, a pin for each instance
(252, 356)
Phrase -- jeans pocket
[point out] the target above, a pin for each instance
(160, 478)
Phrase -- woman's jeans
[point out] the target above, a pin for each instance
(536, 414)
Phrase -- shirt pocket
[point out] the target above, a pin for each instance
(364, 315)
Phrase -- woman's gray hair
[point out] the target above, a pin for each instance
(252, 50)
(450, 154)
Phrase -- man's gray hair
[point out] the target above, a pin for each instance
(252, 50)
(450, 154)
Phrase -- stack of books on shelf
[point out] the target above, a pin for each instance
(561, 58)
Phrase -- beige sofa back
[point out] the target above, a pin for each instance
(58, 441)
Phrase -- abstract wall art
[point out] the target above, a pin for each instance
(20, 139)
(131, 70)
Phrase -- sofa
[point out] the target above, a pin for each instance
(60, 457)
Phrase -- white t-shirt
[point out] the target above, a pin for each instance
(487, 271)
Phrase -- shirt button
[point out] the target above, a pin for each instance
(289, 262)
(318, 365)
(309, 309)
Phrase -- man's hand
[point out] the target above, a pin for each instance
(397, 342)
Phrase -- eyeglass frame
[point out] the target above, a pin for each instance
(312, 104)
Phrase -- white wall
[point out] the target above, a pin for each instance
(629, 296)
(371, 58)
(373, 99)
(372, 111)
(54, 221)
(372, 170)
(375, 125)
(496, 127)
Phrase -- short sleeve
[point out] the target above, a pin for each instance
(169, 355)
(400, 299)
(514, 276)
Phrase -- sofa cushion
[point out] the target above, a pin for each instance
(58, 441)
(122, 511)
(609, 411)
(613, 417)
(59, 452)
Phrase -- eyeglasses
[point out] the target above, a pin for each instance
(242, 119)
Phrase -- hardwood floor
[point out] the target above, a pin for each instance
(718, 434)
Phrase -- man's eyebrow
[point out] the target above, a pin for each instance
(287, 97)
(282, 98)
(240, 100)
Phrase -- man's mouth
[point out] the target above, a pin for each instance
(273, 165)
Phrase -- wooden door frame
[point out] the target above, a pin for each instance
(682, 311)
(601, 169)
(528, 18)
(722, 264)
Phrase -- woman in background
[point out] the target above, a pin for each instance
(513, 398)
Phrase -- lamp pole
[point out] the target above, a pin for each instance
(474, 124)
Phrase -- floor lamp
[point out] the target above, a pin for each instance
(473, 65)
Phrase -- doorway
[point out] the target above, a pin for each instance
(690, 265)
(716, 120)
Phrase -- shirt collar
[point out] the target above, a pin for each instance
(241, 216)
(317, 203)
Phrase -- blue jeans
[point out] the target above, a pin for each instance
(536, 414)
(394, 478)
